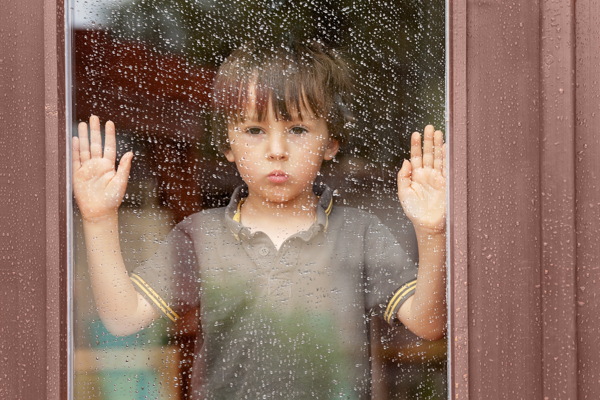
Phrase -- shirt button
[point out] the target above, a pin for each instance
(263, 251)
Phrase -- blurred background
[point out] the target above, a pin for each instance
(148, 66)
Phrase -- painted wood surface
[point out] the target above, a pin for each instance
(524, 101)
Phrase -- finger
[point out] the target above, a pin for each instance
(124, 168)
(438, 152)
(110, 142)
(95, 137)
(75, 153)
(416, 155)
(84, 144)
(428, 147)
(404, 176)
(445, 161)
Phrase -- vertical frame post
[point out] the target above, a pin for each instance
(33, 238)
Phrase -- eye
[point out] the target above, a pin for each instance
(254, 130)
(298, 130)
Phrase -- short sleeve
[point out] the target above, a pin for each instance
(169, 279)
(391, 272)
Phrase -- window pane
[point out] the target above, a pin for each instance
(149, 66)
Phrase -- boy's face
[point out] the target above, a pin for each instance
(279, 160)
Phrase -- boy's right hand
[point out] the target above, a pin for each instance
(99, 188)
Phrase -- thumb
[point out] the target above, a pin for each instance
(404, 176)
(124, 167)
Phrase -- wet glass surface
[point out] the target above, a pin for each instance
(149, 67)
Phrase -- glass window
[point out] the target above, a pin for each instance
(149, 66)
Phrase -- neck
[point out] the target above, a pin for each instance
(302, 207)
(279, 220)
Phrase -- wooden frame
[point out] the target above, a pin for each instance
(523, 93)
(525, 202)
(34, 230)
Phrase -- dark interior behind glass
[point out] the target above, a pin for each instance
(148, 66)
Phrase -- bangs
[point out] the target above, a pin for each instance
(286, 90)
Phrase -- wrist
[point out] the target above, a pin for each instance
(100, 219)
(430, 237)
(427, 231)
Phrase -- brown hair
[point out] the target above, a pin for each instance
(291, 78)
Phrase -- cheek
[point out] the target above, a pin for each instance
(245, 163)
(309, 163)
(310, 148)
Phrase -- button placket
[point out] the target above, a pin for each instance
(288, 256)
(260, 253)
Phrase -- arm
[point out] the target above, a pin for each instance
(99, 191)
(422, 193)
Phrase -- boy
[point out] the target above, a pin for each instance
(285, 280)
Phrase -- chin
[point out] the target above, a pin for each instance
(279, 196)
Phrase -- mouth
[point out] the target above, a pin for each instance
(277, 176)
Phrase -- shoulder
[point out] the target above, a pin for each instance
(352, 219)
(209, 220)
(353, 214)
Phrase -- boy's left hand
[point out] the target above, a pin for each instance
(422, 182)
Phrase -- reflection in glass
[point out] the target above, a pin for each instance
(149, 66)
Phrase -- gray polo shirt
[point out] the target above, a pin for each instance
(280, 323)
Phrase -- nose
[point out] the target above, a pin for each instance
(277, 147)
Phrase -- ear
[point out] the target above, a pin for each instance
(332, 149)
(229, 155)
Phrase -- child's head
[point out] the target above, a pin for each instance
(293, 79)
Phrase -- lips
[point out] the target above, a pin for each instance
(277, 177)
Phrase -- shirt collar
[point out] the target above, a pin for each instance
(324, 208)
